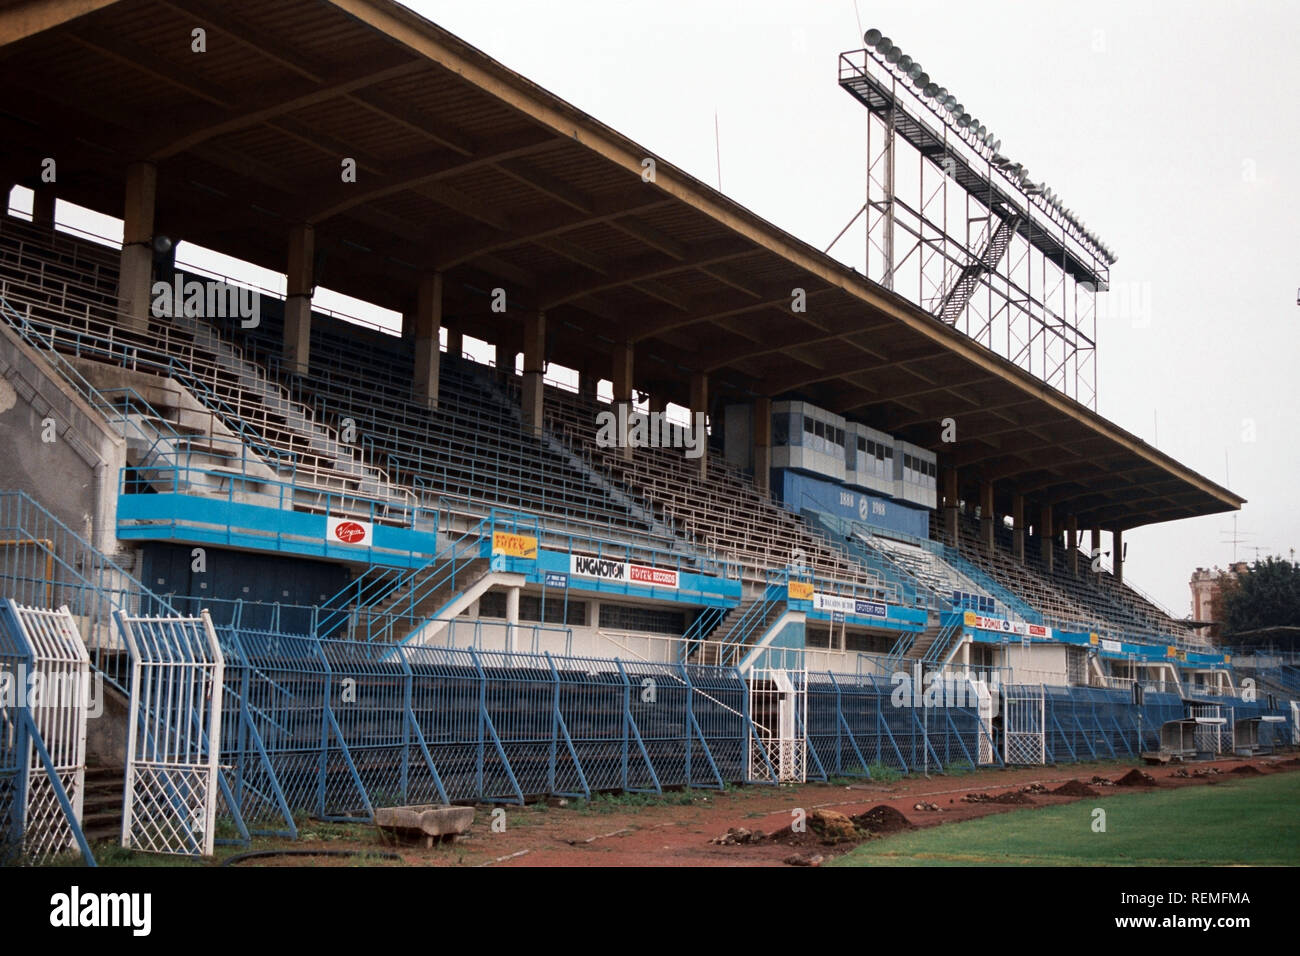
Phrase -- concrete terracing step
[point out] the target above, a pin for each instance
(101, 815)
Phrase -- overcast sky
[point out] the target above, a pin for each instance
(1169, 127)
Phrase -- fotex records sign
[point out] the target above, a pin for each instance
(621, 572)
(514, 545)
(359, 534)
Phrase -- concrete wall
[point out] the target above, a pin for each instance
(75, 475)
(1036, 664)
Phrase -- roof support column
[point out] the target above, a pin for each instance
(588, 384)
(428, 323)
(297, 303)
(762, 443)
(1072, 529)
(986, 513)
(658, 403)
(622, 382)
(43, 200)
(455, 343)
(533, 395)
(1045, 543)
(1117, 554)
(135, 274)
(1018, 532)
(950, 505)
(700, 419)
(512, 617)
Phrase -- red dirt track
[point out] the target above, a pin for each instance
(680, 834)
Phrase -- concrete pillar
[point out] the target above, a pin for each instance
(699, 420)
(1045, 543)
(455, 343)
(43, 199)
(622, 381)
(533, 394)
(987, 528)
(135, 274)
(428, 322)
(297, 302)
(1072, 530)
(658, 402)
(1018, 532)
(762, 443)
(1117, 554)
(507, 355)
(588, 384)
(950, 505)
(512, 616)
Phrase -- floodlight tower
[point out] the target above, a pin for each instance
(966, 233)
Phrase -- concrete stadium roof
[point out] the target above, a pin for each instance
(468, 168)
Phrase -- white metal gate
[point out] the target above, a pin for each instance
(58, 700)
(1024, 728)
(778, 707)
(174, 736)
(985, 705)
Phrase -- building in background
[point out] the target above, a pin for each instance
(1207, 591)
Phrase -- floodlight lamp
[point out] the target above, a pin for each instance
(904, 63)
(872, 36)
(884, 46)
(963, 121)
(949, 102)
(894, 55)
(914, 73)
(957, 109)
(162, 245)
(930, 90)
(997, 144)
(981, 131)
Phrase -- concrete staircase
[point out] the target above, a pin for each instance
(101, 816)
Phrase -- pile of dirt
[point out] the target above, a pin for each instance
(819, 827)
(812, 859)
(1248, 769)
(1013, 798)
(1136, 778)
(1074, 788)
(1181, 773)
(882, 819)
(1293, 762)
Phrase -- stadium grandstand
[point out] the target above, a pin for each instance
(411, 563)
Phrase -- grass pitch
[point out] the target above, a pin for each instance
(1252, 821)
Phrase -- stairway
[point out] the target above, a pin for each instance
(741, 626)
(101, 815)
(957, 297)
(416, 600)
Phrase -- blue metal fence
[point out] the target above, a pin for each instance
(336, 728)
